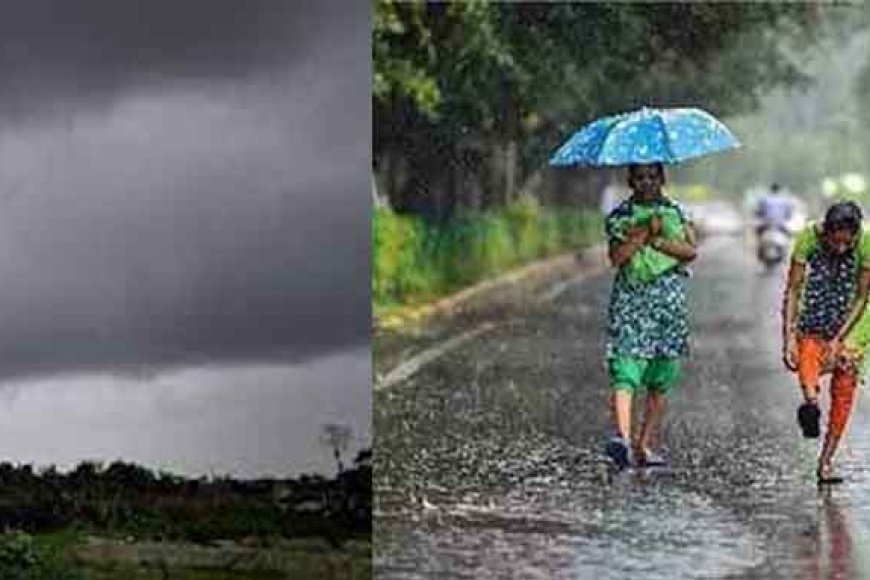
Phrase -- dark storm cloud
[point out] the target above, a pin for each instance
(203, 194)
(57, 55)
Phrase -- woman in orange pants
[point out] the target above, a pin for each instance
(812, 363)
(824, 323)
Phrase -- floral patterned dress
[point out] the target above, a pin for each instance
(647, 319)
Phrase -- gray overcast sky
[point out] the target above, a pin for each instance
(182, 182)
(184, 194)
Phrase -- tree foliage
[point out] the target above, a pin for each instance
(125, 499)
(484, 89)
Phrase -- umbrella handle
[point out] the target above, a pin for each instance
(655, 224)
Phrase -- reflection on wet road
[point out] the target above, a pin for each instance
(488, 462)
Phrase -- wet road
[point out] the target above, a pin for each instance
(488, 462)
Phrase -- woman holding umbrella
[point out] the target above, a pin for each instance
(650, 241)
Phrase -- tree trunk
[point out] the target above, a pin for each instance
(386, 171)
(378, 201)
(496, 180)
(510, 170)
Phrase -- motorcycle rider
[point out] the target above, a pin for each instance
(774, 210)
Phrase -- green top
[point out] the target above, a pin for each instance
(647, 263)
(829, 288)
(648, 313)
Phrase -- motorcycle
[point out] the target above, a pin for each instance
(773, 245)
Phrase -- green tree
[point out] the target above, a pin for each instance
(470, 97)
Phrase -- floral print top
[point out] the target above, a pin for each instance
(646, 319)
(830, 281)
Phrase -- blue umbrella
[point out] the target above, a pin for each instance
(646, 136)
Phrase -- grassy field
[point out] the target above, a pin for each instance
(72, 555)
(96, 558)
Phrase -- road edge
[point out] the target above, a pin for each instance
(576, 265)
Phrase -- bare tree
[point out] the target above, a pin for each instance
(336, 437)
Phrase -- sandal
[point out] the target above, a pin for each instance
(826, 475)
(808, 418)
(647, 458)
(617, 449)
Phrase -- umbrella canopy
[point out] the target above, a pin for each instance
(646, 136)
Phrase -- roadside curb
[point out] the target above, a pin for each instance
(576, 265)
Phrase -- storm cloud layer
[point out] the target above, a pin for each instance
(182, 183)
(65, 55)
